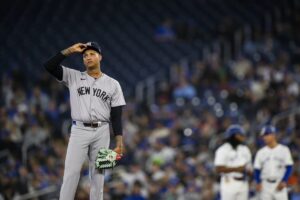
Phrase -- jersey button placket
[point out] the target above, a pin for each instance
(92, 108)
(93, 104)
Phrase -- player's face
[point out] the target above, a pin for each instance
(91, 58)
(240, 137)
(269, 139)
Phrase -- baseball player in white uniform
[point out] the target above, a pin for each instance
(272, 167)
(96, 100)
(233, 163)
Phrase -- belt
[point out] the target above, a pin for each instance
(88, 124)
(239, 178)
(271, 180)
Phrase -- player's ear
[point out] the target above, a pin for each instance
(100, 57)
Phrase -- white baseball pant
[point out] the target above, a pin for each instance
(232, 189)
(269, 191)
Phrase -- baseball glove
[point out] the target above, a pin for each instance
(107, 159)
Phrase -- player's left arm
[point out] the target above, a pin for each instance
(284, 180)
(288, 170)
(116, 121)
(257, 171)
(117, 103)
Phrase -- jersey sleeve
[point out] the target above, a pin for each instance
(257, 161)
(118, 97)
(219, 158)
(288, 157)
(69, 76)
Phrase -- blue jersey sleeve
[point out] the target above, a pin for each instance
(287, 173)
(257, 173)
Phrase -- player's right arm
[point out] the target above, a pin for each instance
(53, 64)
(257, 171)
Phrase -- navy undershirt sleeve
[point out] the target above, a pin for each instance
(53, 66)
(116, 120)
(287, 173)
(257, 173)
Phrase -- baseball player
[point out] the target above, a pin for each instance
(96, 100)
(233, 163)
(272, 167)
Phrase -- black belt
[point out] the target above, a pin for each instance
(93, 125)
(271, 180)
(239, 178)
(86, 124)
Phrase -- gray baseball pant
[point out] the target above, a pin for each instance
(83, 142)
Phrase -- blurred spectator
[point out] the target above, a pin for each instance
(38, 98)
(169, 144)
(191, 193)
(136, 192)
(35, 135)
(118, 191)
(134, 174)
(165, 31)
(184, 90)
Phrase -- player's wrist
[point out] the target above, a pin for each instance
(119, 144)
(66, 52)
(119, 139)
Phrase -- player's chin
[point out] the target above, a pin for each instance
(91, 66)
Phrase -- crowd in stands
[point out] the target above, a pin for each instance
(170, 144)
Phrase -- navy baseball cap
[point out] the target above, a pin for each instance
(268, 129)
(234, 129)
(94, 46)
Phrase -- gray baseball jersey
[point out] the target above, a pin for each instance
(91, 99)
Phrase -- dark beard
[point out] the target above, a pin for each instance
(92, 68)
(233, 141)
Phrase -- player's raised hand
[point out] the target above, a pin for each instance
(76, 48)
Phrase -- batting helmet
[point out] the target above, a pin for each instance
(268, 129)
(233, 130)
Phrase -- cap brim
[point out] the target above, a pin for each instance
(91, 48)
(265, 134)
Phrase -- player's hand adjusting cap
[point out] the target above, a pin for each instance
(268, 129)
(233, 130)
(94, 46)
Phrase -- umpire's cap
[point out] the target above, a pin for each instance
(94, 46)
(234, 129)
(268, 129)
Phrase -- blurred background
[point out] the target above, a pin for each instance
(188, 70)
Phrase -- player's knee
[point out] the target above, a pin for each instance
(73, 173)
